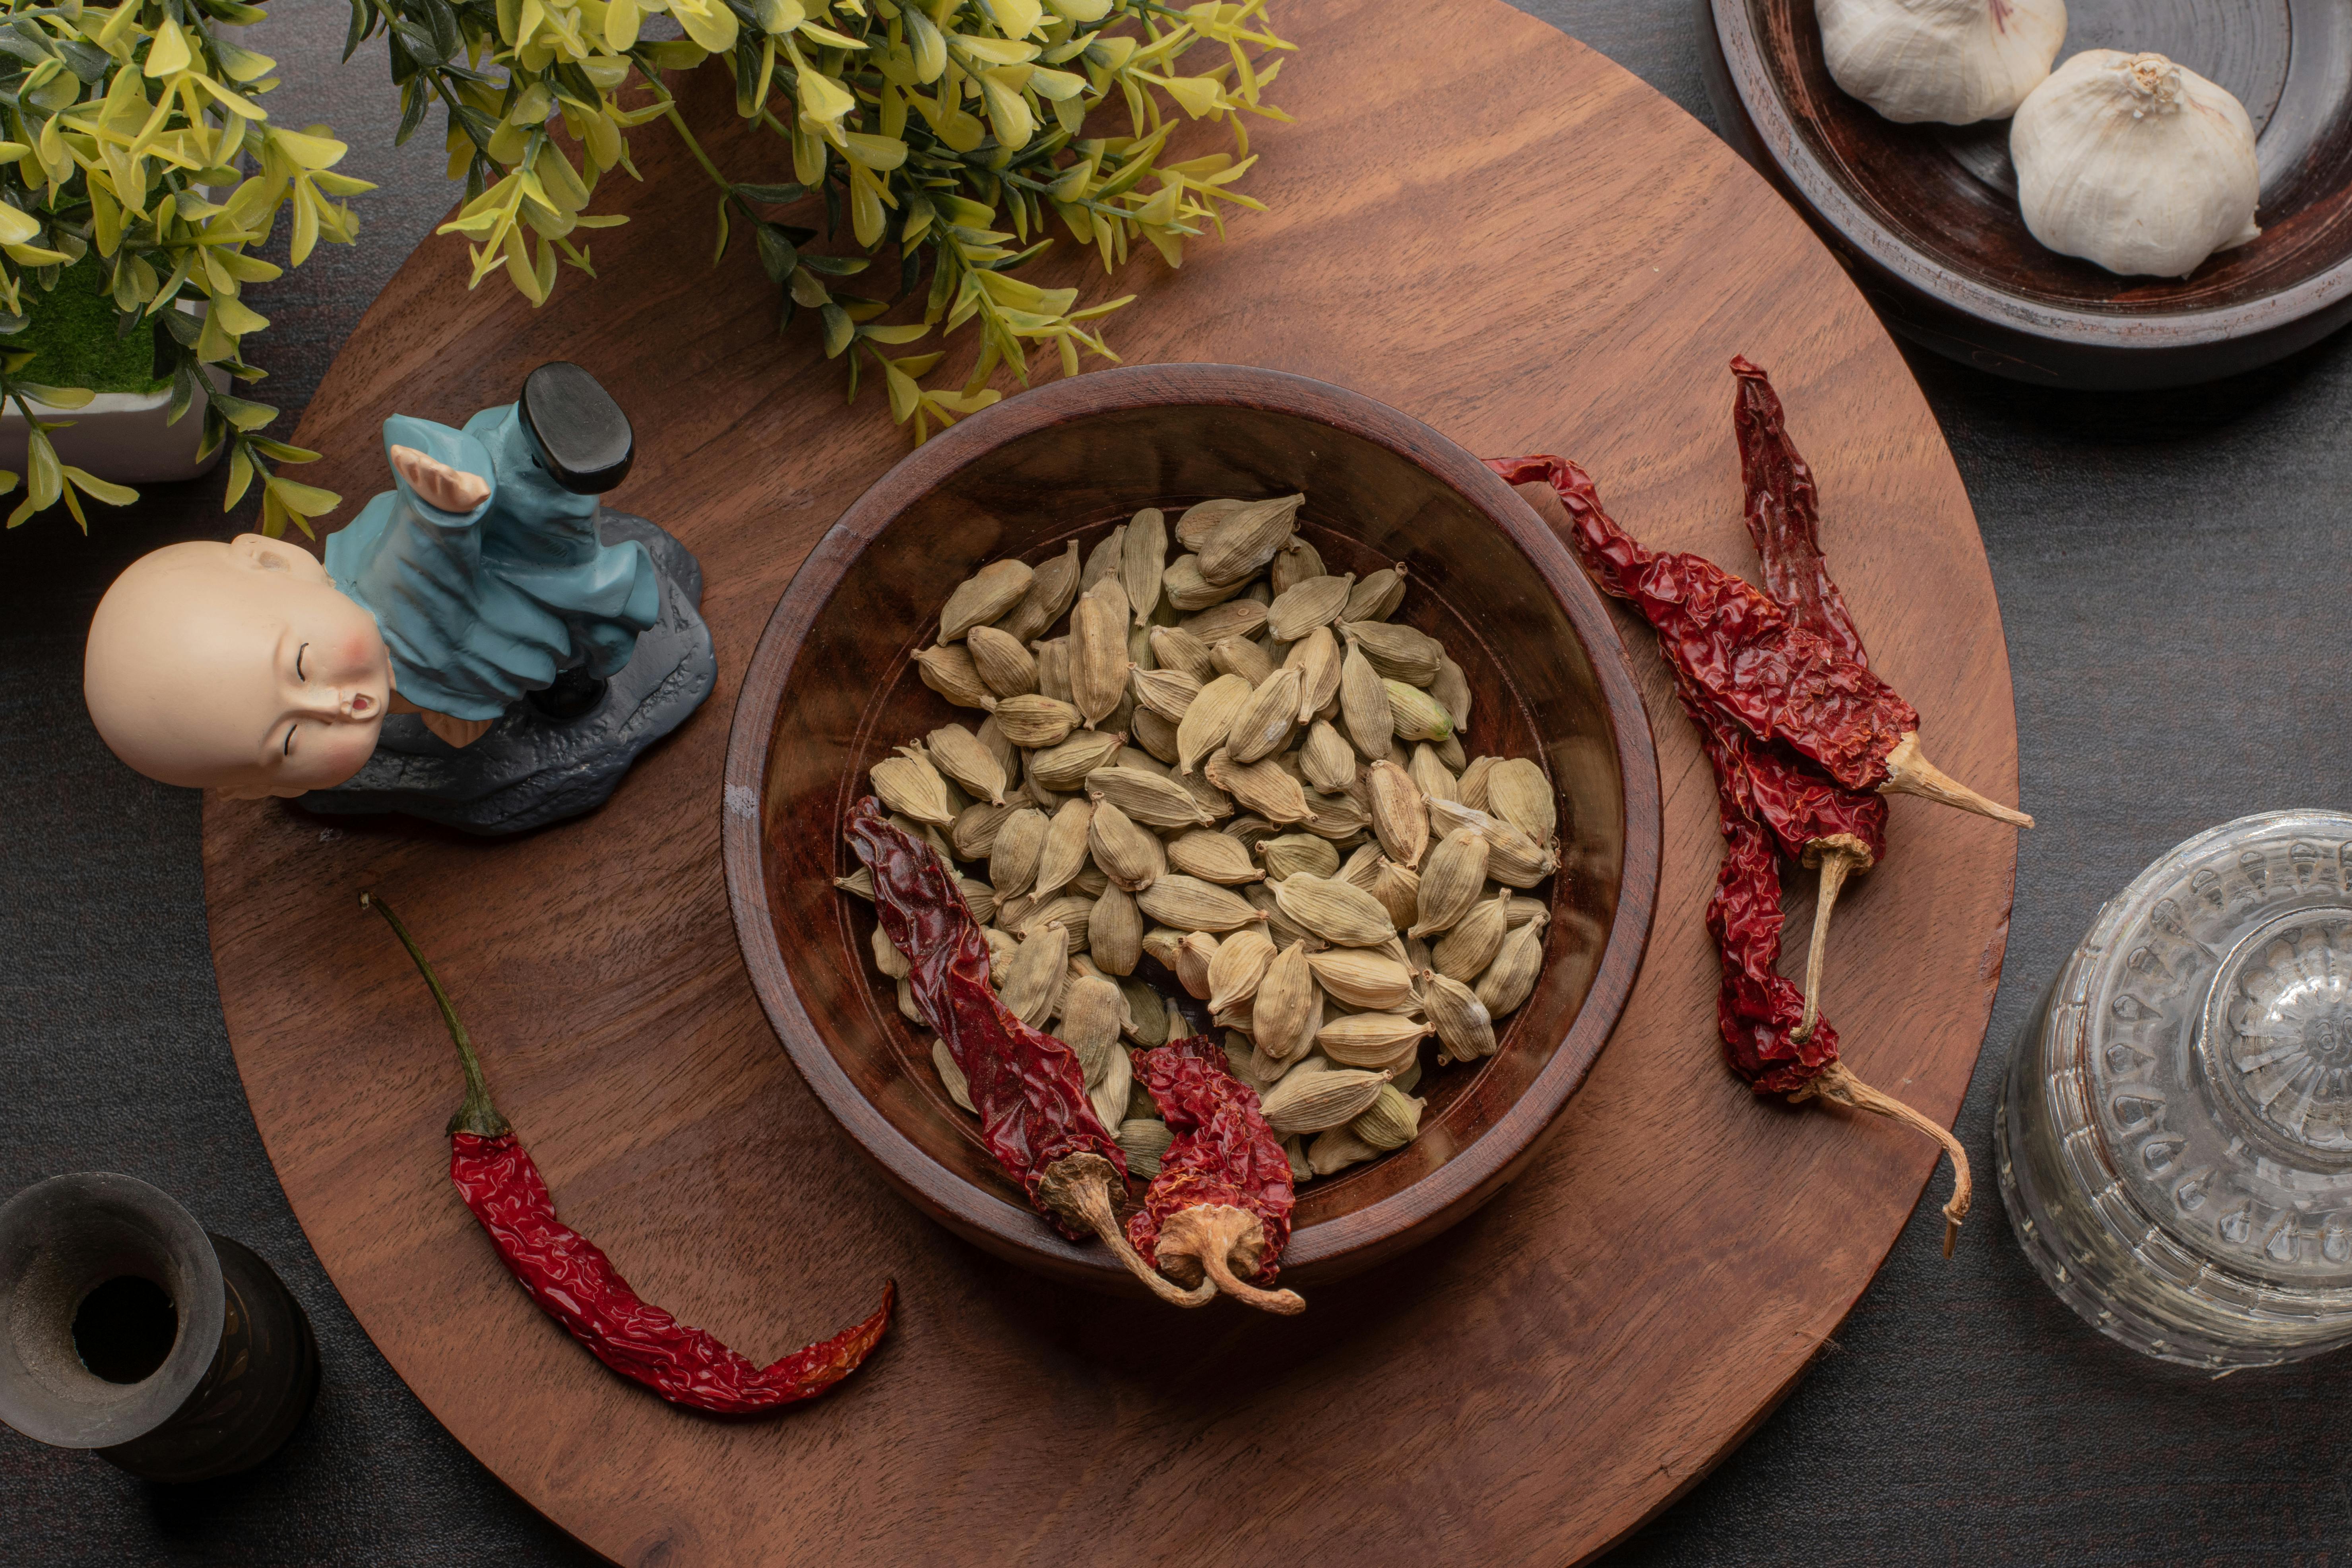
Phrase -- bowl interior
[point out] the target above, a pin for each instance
(852, 692)
(1950, 194)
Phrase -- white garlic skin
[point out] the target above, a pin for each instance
(2134, 163)
(1956, 61)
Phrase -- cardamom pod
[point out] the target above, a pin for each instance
(1297, 562)
(1266, 719)
(1293, 854)
(1151, 800)
(1051, 587)
(1142, 560)
(1175, 648)
(1293, 1150)
(982, 597)
(1212, 856)
(1398, 891)
(1304, 606)
(910, 785)
(1215, 803)
(1452, 687)
(1391, 1122)
(1467, 950)
(1326, 759)
(1509, 980)
(1233, 1014)
(1338, 1149)
(1379, 1041)
(1364, 705)
(1013, 857)
(1284, 1002)
(1183, 585)
(1103, 560)
(924, 830)
(976, 827)
(1319, 1101)
(1068, 910)
(1129, 856)
(1193, 527)
(1451, 882)
(1145, 1143)
(1156, 735)
(1278, 925)
(909, 1009)
(1207, 721)
(1251, 830)
(1334, 816)
(1377, 596)
(1167, 692)
(1463, 1025)
(1415, 715)
(1398, 652)
(1089, 880)
(1241, 962)
(1234, 618)
(1065, 766)
(1519, 793)
(1471, 790)
(1363, 863)
(957, 752)
(1193, 956)
(1088, 1024)
(950, 672)
(1005, 666)
(887, 956)
(1148, 1018)
(1032, 981)
(1339, 912)
(1525, 910)
(1098, 649)
(979, 897)
(860, 882)
(1064, 850)
(1191, 904)
(1142, 762)
(952, 1077)
(1316, 656)
(1261, 786)
(1241, 543)
(1516, 860)
(1364, 977)
(1008, 756)
(1430, 774)
(1012, 910)
(1240, 656)
(1054, 667)
(1115, 932)
(1109, 1097)
(1161, 942)
(1399, 819)
(1033, 722)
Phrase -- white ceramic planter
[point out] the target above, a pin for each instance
(120, 435)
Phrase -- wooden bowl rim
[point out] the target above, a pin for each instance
(1455, 1188)
(1821, 189)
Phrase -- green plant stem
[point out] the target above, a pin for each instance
(477, 1115)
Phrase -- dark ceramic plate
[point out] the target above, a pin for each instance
(1926, 216)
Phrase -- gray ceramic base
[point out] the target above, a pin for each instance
(530, 770)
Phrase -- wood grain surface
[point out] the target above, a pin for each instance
(1546, 256)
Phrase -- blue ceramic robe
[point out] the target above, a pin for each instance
(479, 607)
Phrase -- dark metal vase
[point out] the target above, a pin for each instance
(241, 1368)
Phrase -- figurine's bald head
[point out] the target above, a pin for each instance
(236, 667)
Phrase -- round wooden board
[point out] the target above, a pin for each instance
(1491, 227)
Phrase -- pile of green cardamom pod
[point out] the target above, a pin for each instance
(1209, 767)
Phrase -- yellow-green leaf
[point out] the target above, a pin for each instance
(97, 488)
(169, 52)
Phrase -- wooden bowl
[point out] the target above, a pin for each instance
(1925, 215)
(833, 687)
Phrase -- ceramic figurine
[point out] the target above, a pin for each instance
(485, 646)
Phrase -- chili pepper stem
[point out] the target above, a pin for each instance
(1908, 772)
(1214, 1234)
(1078, 1185)
(1839, 857)
(476, 1114)
(1837, 1082)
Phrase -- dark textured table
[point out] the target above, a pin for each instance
(2168, 565)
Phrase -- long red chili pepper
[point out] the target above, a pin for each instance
(572, 1280)
(1846, 830)
(1220, 1203)
(1028, 1087)
(1758, 1009)
(1749, 658)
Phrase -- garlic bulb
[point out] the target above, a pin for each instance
(1957, 62)
(2134, 163)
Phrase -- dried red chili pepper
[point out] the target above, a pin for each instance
(1028, 1087)
(1757, 1009)
(574, 1283)
(1745, 655)
(1220, 1203)
(1847, 832)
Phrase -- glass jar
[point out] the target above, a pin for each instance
(2175, 1132)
